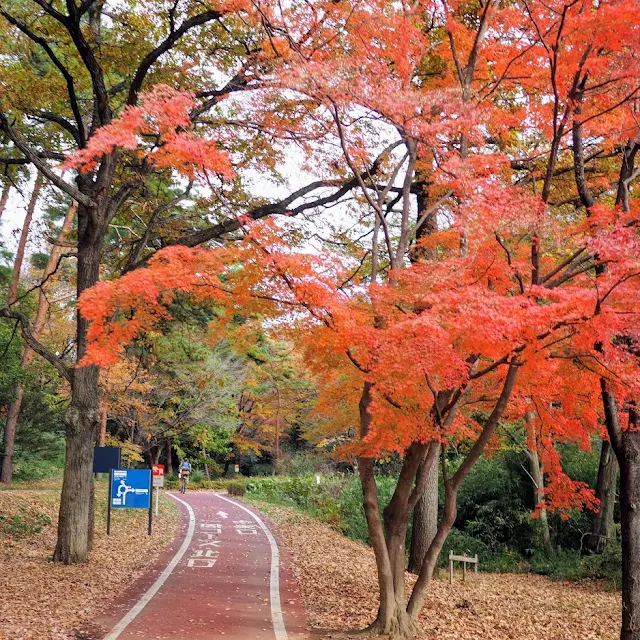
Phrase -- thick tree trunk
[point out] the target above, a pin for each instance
(451, 488)
(630, 532)
(537, 480)
(626, 445)
(387, 607)
(82, 418)
(4, 198)
(13, 413)
(425, 520)
(602, 521)
(431, 558)
(392, 620)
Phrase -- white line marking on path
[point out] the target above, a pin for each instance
(222, 514)
(154, 588)
(274, 587)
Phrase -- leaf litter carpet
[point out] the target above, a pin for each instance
(338, 582)
(40, 600)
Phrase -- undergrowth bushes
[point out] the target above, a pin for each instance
(492, 522)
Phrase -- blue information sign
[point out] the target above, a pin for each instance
(131, 489)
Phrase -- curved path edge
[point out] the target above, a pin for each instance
(274, 583)
(155, 587)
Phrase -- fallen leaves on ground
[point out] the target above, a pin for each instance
(339, 588)
(46, 601)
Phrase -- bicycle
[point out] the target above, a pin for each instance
(184, 481)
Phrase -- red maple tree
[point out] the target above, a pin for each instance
(504, 298)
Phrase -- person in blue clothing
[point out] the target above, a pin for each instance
(183, 474)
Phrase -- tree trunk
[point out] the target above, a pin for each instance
(6, 188)
(206, 466)
(13, 413)
(626, 446)
(392, 620)
(425, 520)
(537, 476)
(602, 521)
(9, 440)
(630, 532)
(431, 558)
(451, 488)
(92, 520)
(169, 458)
(22, 244)
(537, 479)
(104, 414)
(82, 416)
(388, 614)
(276, 456)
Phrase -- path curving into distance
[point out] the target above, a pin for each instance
(224, 578)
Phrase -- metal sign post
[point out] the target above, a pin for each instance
(158, 481)
(151, 511)
(109, 503)
(130, 489)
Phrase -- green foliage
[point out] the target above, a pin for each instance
(28, 522)
(337, 500)
(197, 480)
(500, 558)
(494, 515)
(495, 504)
(581, 465)
(40, 446)
(606, 565)
(10, 347)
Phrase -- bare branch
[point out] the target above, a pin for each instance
(27, 333)
(163, 47)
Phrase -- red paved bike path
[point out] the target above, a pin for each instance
(221, 588)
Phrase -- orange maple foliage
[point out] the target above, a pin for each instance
(162, 117)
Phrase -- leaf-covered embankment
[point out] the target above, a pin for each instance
(46, 601)
(339, 588)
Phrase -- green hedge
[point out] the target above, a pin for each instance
(337, 500)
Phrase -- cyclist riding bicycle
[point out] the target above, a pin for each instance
(183, 474)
